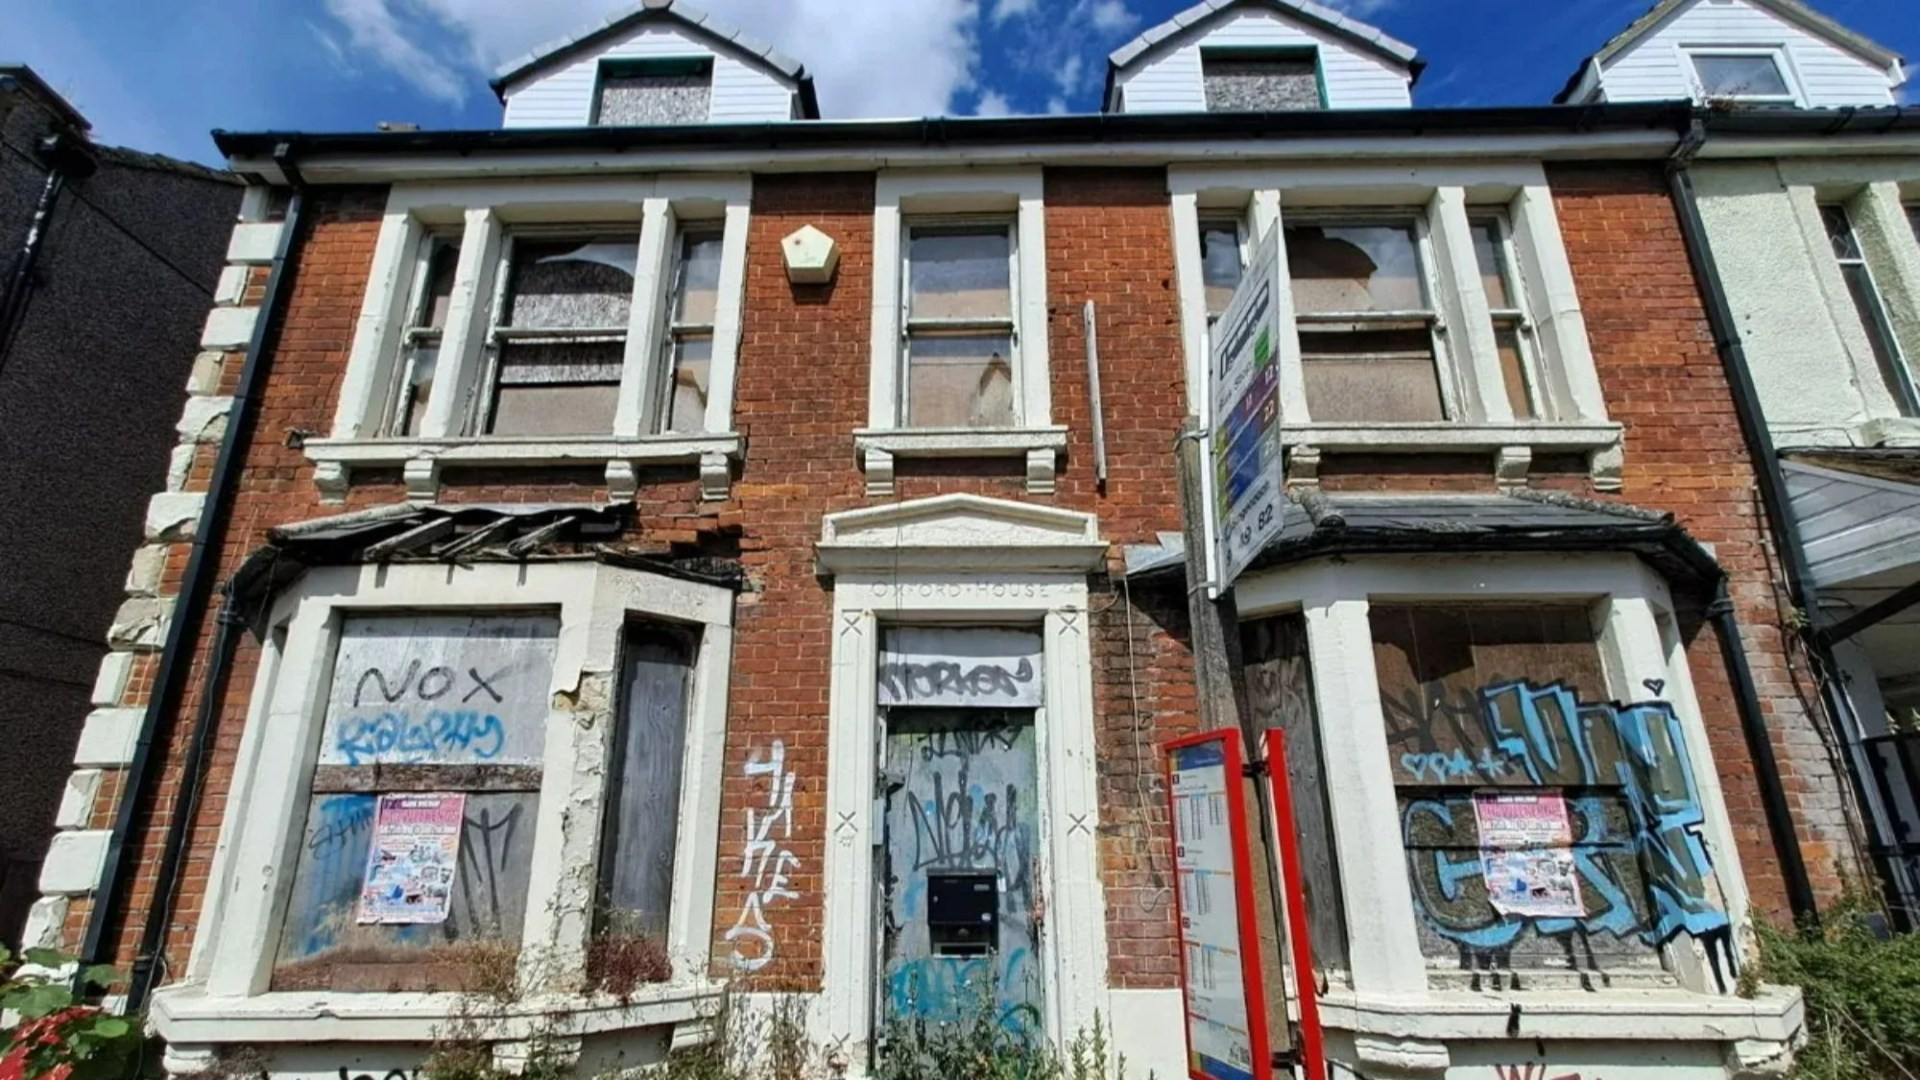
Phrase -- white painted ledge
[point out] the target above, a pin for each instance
(254, 241)
(1899, 431)
(422, 459)
(1776, 1015)
(107, 738)
(185, 1014)
(1513, 446)
(1041, 446)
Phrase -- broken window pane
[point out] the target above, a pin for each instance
(960, 274)
(1497, 710)
(1370, 372)
(1355, 268)
(1740, 76)
(960, 380)
(1220, 263)
(689, 342)
(699, 277)
(1261, 82)
(560, 388)
(634, 92)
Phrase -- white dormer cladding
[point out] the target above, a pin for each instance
(561, 84)
(1164, 69)
(1694, 49)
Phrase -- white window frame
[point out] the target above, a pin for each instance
(398, 408)
(677, 330)
(1636, 616)
(1214, 219)
(1877, 324)
(1519, 316)
(485, 213)
(1432, 290)
(1782, 62)
(1573, 409)
(225, 997)
(913, 195)
(909, 324)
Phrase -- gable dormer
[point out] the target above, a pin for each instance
(1739, 52)
(1261, 56)
(664, 62)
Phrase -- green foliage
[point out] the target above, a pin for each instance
(59, 1034)
(1862, 993)
(981, 1043)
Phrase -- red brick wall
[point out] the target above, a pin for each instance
(1663, 380)
(802, 390)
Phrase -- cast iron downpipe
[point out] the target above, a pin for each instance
(176, 657)
(1773, 498)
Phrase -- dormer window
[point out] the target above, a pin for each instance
(653, 90)
(1745, 75)
(1262, 80)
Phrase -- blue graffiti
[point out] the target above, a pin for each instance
(949, 988)
(438, 736)
(1649, 884)
(337, 857)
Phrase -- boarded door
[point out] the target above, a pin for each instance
(960, 868)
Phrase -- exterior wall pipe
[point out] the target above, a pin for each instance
(1773, 498)
(196, 587)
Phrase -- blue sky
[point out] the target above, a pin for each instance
(159, 74)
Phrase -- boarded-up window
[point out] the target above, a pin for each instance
(654, 91)
(1262, 80)
(1498, 715)
(960, 326)
(442, 704)
(643, 822)
(562, 335)
(1366, 321)
(1280, 691)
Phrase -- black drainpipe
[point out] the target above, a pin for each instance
(176, 658)
(64, 154)
(1773, 498)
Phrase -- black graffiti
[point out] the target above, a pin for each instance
(906, 681)
(392, 1074)
(486, 849)
(431, 685)
(965, 744)
(337, 828)
(955, 829)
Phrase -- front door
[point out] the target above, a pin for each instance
(959, 867)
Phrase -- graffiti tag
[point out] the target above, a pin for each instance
(429, 685)
(903, 682)
(398, 736)
(1648, 881)
(765, 861)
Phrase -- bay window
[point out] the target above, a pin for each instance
(1430, 312)
(547, 323)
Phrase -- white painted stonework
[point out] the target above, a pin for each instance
(229, 327)
(140, 624)
(949, 562)
(74, 860)
(174, 515)
(76, 800)
(254, 242)
(107, 738)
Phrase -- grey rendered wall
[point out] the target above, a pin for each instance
(91, 386)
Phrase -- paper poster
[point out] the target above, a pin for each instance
(413, 859)
(1524, 854)
(1218, 1030)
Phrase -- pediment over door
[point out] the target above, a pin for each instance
(960, 533)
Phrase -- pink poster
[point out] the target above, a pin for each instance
(413, 859)
(1525, 854)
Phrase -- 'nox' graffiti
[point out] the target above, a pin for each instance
(1633, 805)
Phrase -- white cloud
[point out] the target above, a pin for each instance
(1909, 93)
(1057, 106)
(993, 103)
(898, 58)
(1362, 9)
(1007, 9)
(373, 26)
(1068, 76)
(1111, 16)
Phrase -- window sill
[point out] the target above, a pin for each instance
(1513, 445)
(422, 459)
(878, 447)
(1412, 1032)
(184, 1015)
